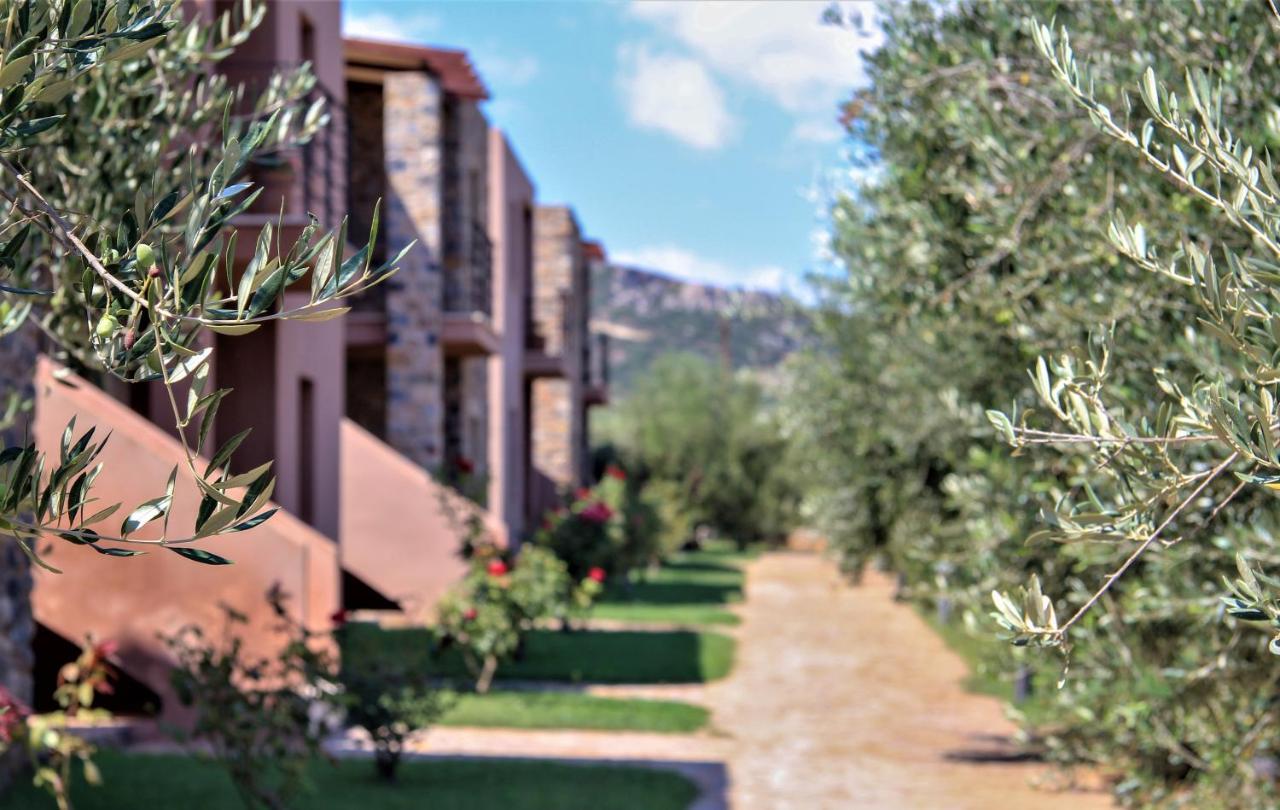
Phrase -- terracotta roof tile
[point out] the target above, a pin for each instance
(452, 67)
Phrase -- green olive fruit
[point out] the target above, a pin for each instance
(107, 326)
(146, 256)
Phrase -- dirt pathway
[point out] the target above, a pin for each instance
(842, 698)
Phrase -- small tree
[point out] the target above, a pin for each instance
(390, 699)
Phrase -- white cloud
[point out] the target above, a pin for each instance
(676, 95)
(780, 48)
(682, 263)
(393, 27)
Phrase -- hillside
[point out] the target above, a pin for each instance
(647, 314)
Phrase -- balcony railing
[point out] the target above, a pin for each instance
(468, 284)
(310, 177)
(597, 371)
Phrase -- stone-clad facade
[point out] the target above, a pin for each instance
(17, 623)
(560, 300)
(412, 140)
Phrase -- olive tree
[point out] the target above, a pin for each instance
(123, 165)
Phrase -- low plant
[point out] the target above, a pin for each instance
(488, 613)
(256, 714)
(54, 750)
(389, 698)
(590, 531)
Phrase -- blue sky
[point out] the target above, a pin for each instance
(698, 139)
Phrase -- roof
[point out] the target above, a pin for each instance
(453, 68)
(593, 250)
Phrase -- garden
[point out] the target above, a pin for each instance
(1035, 427)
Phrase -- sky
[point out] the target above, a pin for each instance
(698, 139)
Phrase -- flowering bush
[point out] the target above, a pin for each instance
(488, 613)
(590, 532)
(53, 751)
(256, 715)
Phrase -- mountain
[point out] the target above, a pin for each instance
(646, 314)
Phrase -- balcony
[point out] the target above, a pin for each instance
(596, 372)
(309, 179)
(468, 298)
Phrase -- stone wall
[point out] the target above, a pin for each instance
(560, 300)
(17, 624)
(551, 443)
(412, 141)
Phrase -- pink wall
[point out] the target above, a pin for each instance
(401, 529)
(300, 431)
(511, 201)
(132, 600)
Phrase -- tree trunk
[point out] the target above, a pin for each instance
(486, 674)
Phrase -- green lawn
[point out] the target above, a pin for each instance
(579, 657)
(138, 781)
(518, 709)
(692, 588)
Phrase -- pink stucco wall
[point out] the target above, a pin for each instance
(511, 202)
(132, 600)
(401, 529)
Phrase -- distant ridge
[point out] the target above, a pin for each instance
(648, 313)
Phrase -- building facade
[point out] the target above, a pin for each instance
(452, 396)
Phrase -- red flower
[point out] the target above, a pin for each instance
(13, 717)
(596, 574)
(582, 493)
(464, 465)
(105, 649)
(614, 471)
(598, 512)
(470, 614)
(497, 568)
(340, 617)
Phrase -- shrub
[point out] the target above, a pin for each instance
(490, 610)
(52, 749)
(715, 439)
(389, 698)
(258, 716)
(589, 532)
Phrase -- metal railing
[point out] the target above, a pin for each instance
(468, 283)
(597, 371)
(311, 177)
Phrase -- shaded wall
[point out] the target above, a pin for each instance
(511, 200)
(132, 600)
(401, 529)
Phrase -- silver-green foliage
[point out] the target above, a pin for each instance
(123, 165)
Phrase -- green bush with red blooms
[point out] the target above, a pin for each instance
(612, 526)
(502, 597)
(52, 749)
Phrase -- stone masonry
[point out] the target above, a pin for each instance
(559, 440)
(415, 385)
(17, 623)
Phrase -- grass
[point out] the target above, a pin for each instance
(518, 709)
(585, 656)
(176, 781)
(692, 588)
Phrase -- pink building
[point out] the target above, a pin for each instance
(289, 381)
(457, 390)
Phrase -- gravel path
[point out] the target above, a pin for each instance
(842, 698)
